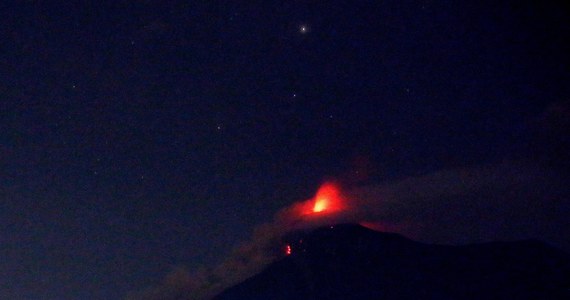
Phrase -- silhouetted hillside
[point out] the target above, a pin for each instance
(353, 262)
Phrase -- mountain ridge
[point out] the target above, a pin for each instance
(348, 261)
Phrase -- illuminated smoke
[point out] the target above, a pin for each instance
(320, 205)
(501, 202)
(328, 198)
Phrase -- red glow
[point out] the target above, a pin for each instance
(402, 227)
(320, 204)
(376, 226)
(288, 250)
(327, 202)
(328, 198)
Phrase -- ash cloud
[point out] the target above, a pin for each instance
(508, 201)
(505, 202)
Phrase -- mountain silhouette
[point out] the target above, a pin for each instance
(353, 262)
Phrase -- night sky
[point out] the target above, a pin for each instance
(139, 136)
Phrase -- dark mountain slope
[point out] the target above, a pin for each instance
(353, 262)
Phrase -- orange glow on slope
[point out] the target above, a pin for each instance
(328, 198)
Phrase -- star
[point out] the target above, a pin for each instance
(303, 29)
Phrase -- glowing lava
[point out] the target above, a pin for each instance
(320, 205)
(328, 198)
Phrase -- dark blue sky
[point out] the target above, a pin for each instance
(140, 135)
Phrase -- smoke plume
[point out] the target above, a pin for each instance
(495, 202)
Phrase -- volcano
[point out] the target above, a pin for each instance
(353, 262)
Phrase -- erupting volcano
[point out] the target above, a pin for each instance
(328, 198)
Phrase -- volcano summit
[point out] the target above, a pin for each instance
(353, 262)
